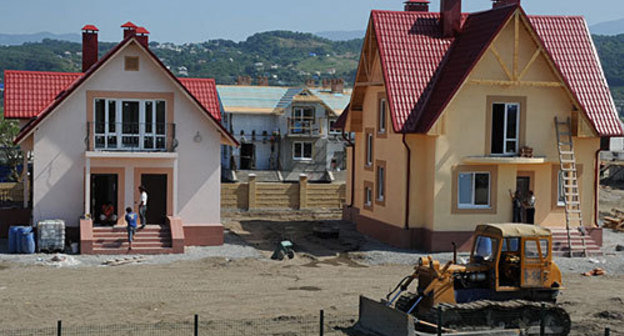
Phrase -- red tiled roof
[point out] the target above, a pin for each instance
(142, 30)
(90, 27)
(422, 71)
(28, 93)
(128, 25)
(569, 43)
(478, 31)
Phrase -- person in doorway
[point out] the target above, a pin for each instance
(108, 215)
(529, 206)
(131, 221)
(142, 206)
(516, 202)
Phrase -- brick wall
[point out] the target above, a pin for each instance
(302, 195)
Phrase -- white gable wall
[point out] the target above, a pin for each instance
(59, 148)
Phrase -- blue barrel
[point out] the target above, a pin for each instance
(27, 240)
(13, 239)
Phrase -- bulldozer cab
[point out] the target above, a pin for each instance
(517, 255)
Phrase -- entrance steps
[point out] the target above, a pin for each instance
(561, 248)
(153, 239)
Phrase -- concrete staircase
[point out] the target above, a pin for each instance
(560, 243)
(153, 239)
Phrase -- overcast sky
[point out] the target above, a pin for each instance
(194, 21)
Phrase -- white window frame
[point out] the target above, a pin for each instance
(472, 204)
(382, 116)
(302, 144)
(381, 183)
(333, 131)
(505, 135)
(369, 149)
(368, 196)
(560, 189)
(118, 134)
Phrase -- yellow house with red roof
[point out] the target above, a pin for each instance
(453, 111)
(125, 121)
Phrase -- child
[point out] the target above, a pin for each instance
(131, 219)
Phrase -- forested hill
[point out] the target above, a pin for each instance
(287, 58)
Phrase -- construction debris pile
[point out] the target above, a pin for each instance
(615, 221)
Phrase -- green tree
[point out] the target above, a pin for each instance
(11, 155)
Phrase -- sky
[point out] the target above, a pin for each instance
(183, 21)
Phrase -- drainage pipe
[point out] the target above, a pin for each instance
(407, 186)
(352, 145)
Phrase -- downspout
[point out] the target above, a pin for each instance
(352, 145)
(596, 186)
(407, 195)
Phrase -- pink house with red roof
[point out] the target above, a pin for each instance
(452, 112)
(125, 121)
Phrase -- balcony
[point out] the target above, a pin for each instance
(131, 137)
(306, 127)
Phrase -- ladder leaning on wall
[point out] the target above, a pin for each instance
(571, 194)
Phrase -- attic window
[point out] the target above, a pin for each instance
(131, 63)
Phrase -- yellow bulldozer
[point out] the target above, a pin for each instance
(509, 282)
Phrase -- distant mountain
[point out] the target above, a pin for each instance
(608, 28)
(342, 35)
(18, 39)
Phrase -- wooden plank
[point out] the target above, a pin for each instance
(514, 83)
(501, 62)
(516, 46)
(531, 61)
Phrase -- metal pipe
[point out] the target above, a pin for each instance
(407, 186)
(454, 253)
(414, 305)
(321, 323)
(596, 184)
(352, 145)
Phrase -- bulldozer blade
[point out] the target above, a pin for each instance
(378, 319)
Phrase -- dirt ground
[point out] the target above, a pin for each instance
(327, 274)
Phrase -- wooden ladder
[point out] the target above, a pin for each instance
(571, 199)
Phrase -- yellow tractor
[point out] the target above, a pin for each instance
(510, 281)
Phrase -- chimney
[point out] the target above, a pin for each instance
(501, 3)
(263, 81)
(142, 36)
(243, 80)
(326, 84)
(337, 85)
(450, 17)
(129, 29)
(310, 83)
(89, 46)
(416, 6)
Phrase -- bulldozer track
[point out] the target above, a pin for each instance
(494, 314)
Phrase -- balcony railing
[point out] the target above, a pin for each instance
(131, 137)
(306, 126)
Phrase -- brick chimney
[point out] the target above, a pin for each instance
(310, 83)
(325, 83)
(450, 17)
(89, 46)
(416, 6)
(243, 80)
(263, 81)
(142, 36)
(129, 29)
(337, 85)
(501, 3)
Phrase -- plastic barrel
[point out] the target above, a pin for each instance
(13, 239)
(22, 240)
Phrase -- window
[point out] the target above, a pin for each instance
(368, 195)
(131, 63)
(380, 183)
(560, 189)
(333, 130)
(369, 150)
(511, 245)
(302, 120)
(544, 247)
(130, 124)
(473, 190)
(485, 248)
(302, 151)
(505, 128)
(530, 249)
(381, 124)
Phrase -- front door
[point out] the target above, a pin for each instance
(103, 193)
(523, 184)
(156, 187)
(247, 156)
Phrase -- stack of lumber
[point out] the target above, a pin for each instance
(615, 221)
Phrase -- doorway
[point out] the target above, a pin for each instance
(248, 156)
(524, 184)
(103, 192)
(156, 187)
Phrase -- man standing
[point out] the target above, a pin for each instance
(517, 206)
(530, 208)
(142, 206)
(131, 218)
